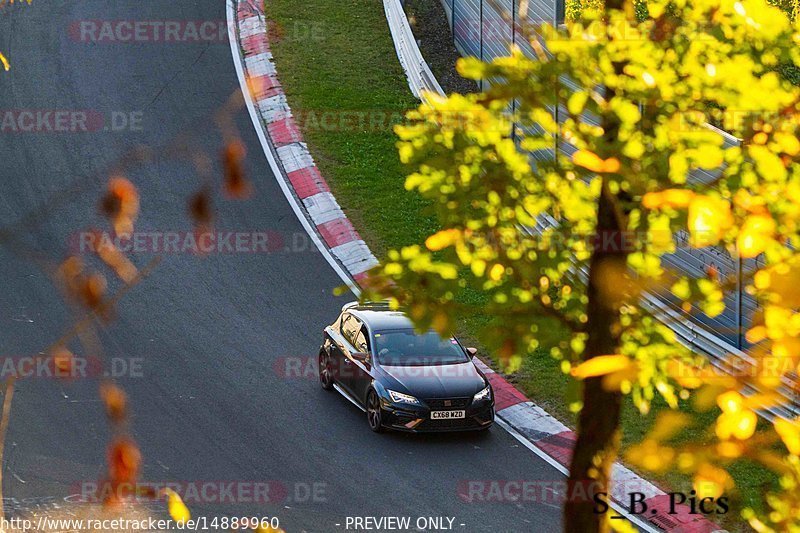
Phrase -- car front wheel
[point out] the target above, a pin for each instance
(374, 416)
(325, 371)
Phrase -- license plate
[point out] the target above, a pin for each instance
(442, 415)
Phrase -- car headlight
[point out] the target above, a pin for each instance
(483, 395)
(399, 397)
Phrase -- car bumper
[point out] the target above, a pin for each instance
(418, 419)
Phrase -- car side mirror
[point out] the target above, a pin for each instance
(471, 352)
(360, 356)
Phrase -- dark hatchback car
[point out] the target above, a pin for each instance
(402, 379)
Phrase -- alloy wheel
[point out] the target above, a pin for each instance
(374, 412)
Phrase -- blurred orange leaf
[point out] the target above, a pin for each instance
(110, 255)
(63, 361)
(236, 186)
(200, 209)
(124, 461)
(121, 205)
(115, 401)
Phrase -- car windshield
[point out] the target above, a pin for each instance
(405, 347)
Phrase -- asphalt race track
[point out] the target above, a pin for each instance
(200, 343)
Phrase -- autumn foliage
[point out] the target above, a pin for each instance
(635, 157)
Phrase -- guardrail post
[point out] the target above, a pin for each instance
(453, 19)
(480, 31)
(513, 42)
(739, 298)
(558, 127)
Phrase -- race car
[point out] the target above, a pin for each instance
(402, 379)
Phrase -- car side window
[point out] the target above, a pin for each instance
(362, 340)
(350, 329)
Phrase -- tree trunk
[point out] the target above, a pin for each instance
(598, 425)
(599, 436)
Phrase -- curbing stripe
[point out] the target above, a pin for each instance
(323, 208)
(235, 11)
(259, 65)
(251, 26)
(515, 412)
(356, 256)
(264, 87)
(284, 131)
(626, 481)
(274, 108)
(255, 44)
(295, 156)
(532, 421)
(307, 182)
(338, 232)
(505, 394)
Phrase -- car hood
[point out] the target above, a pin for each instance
(459, 380)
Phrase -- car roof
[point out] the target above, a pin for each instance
(382, 320)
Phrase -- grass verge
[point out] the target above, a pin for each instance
(342, 77)
(336, 58)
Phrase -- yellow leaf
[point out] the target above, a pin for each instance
(756, 334)
(621, 379)
(496, 272)
(687, 376)
(740, 425)
(577, 102)
(611, 165)
(591, 161)
(588, 160)
(708, 219)
(4, 62)
(789, 432)
(678, 198)
(651, 455)
(756, 233)
(478, 267)
(442, 239)
(781, 280)
(601, 365)
(710, 481)
(668, 424)
(177, 509)
(729, 449)
(730, 402)
(789, 143)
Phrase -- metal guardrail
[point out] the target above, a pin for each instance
(723, 357)
(420, 77)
